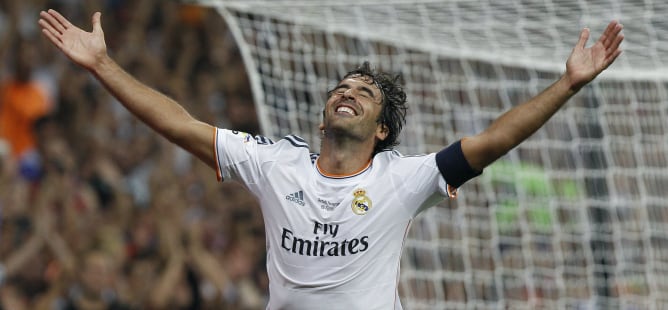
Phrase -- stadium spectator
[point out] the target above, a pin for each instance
(22, 101)
(95, 158)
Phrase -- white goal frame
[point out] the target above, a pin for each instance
(573, 218)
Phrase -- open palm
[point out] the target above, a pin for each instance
(584, 64)
(84, 48)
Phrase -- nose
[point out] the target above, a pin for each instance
(348, 93)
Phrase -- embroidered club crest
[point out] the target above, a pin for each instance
(361, 203)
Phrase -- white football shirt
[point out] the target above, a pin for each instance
(333, 242)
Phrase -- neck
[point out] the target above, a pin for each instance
(344, 157)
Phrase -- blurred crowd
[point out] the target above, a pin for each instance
(96, 210)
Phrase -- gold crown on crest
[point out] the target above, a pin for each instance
(359, 192)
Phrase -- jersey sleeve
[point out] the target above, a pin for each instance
(426, 180)
(416, 181)
(239, 156)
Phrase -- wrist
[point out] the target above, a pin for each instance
(568, 85)
(103, 64)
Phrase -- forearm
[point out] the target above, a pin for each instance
(19, 258)
(155, 109)
(62, 252)
(158, 111)
(168, 282)
(516, 125)
(210, 267)
(519, 123)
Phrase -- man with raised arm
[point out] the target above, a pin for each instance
(336, 221)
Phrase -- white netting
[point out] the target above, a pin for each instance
(574, 217)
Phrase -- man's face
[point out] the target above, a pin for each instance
(96, 274)
(353, 108)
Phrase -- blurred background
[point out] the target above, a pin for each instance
(97, 211)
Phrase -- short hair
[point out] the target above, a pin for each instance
(393, 113)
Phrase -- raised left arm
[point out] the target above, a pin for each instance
(520, 122)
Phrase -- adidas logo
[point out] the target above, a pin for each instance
(296, 197)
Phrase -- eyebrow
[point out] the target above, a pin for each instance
(362, 88)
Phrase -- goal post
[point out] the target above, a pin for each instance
(573, 218)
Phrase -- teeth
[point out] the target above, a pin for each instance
(345, 110)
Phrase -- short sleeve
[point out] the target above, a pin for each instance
(236, 156)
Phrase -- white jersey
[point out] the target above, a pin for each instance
(333, 242)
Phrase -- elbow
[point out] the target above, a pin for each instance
(488, 157)
(178, 132)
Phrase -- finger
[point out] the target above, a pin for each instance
(615, 44)
(618, 40)
(46, 25)
(97, 24)
(63, 21)
(612, 57)
(611, 32)
(52, 21)
(48, 28)
(618, 29)
(55, 40)
(584, 36)
(614, 35)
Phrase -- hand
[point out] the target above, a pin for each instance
(86, 49)
(584, 64)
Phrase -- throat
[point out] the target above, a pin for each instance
(344, 154)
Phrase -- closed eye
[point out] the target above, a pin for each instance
(341, 89)
(364, 92)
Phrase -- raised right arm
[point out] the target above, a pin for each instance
(164, 115)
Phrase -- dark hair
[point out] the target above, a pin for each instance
(393, 114)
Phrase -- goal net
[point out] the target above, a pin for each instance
(574, 218)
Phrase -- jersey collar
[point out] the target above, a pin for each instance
(341, 176)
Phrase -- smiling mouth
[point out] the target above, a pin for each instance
(346, 110)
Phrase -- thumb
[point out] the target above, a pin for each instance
(97, 25)
(584, 36)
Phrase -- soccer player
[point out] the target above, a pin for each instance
(336, 221)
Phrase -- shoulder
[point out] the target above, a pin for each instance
(290, 144)
(396, 156)
(394, 162)
(289, 147)
(295, 141)
(260, 140)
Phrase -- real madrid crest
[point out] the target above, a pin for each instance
(361, 203)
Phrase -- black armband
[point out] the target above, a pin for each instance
(453, 165)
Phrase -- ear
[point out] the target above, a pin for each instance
(321, 126)
(382, 132)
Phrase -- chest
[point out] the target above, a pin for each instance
(332, 206)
